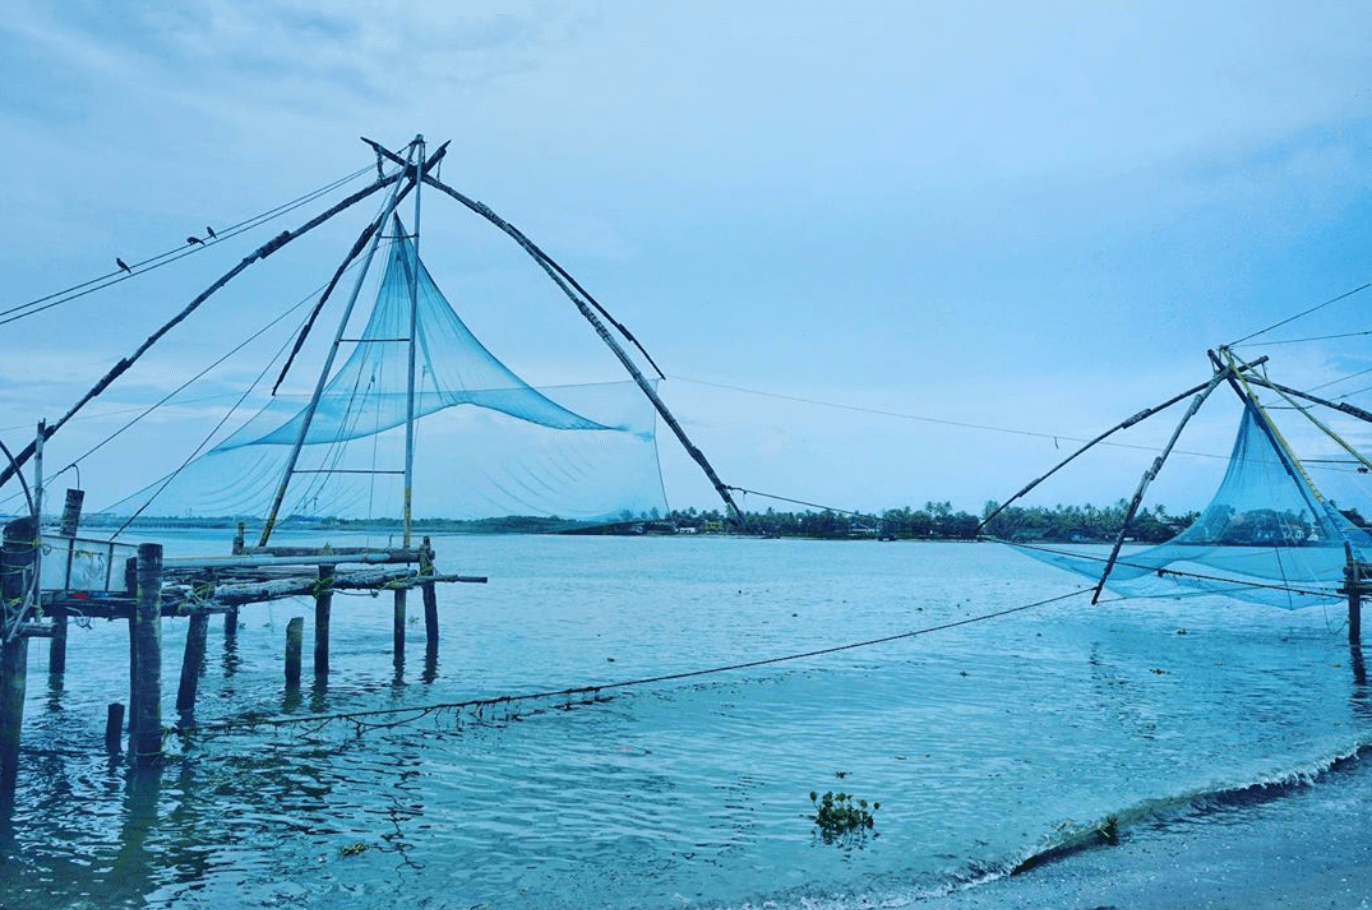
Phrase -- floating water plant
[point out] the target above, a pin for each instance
(837, 815)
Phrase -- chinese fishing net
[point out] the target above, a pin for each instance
(1268, 536)
(487, 443)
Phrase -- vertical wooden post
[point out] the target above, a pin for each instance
(114, 727)
(1355, 611)
(71, 512)
(323, 608)
(426, 567)
(192, 662)
(1352, 583)
(238, 540)
(57, 647)
(16, 562)
(398, 628)
(230, 625)
(131, 585)
(295, 634)
(145, 742)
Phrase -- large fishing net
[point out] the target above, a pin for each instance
(487, 443)
(1268, 536)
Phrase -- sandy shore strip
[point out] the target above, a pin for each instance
(1309, 850)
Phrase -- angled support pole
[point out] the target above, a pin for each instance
(260, 253)
(555, 273)
(1343, 406)
(1141, 415)
(1149, 476)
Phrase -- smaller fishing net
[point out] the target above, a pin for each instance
(1267, 537)
(488, 444)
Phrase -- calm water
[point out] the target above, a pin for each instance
(983, 743)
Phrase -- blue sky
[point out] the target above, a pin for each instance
(1033, 218)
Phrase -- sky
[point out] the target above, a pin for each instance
(886, 253)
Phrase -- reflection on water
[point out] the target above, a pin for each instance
(982, 743)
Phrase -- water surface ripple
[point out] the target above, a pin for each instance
(984, 744)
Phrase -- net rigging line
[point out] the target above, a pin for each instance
(1235, 584)
(74, 292)
(217, 427)
(1268, 344)
(144, 412)
(421, 711)
(1325, 385)
(1056, 437)
(1301, 314)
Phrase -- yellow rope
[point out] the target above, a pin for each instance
(1304, 409)
(1272, 427)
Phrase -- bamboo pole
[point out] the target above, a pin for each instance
(401, 188)
(1149, 476)
(260, 253)
(1345, 407)
(408, 504)
(1123, 425)
(722, 489)
(426, 570)
(358, 246)
(308, 414)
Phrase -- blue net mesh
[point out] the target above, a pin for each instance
(488, 444)
(1267, 536)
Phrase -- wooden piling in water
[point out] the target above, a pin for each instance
(57, 647)
(145, 740)
(17, 554)
(1355, 611)
(295, 634)
(114, 728)
(17, 557)
(131, 583)
(323, 608)
(398, 628)
(430, 594)
(192, 662)
(230, 625)
(1355, 584)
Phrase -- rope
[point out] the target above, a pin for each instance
(1237, 584)
(237, 404)
(1299, 315)
(1268, 344)
(111, 278)
(1056, 437)
(144, 412)
(418, 712)
(801, 502)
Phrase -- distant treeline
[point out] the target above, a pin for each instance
(935, 521)
(939, 521)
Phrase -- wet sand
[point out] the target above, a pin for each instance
(1307, 850)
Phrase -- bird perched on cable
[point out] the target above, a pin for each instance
(194, 240)
(209, 230)
(123, 265)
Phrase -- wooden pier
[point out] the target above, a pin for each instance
(148, 589)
